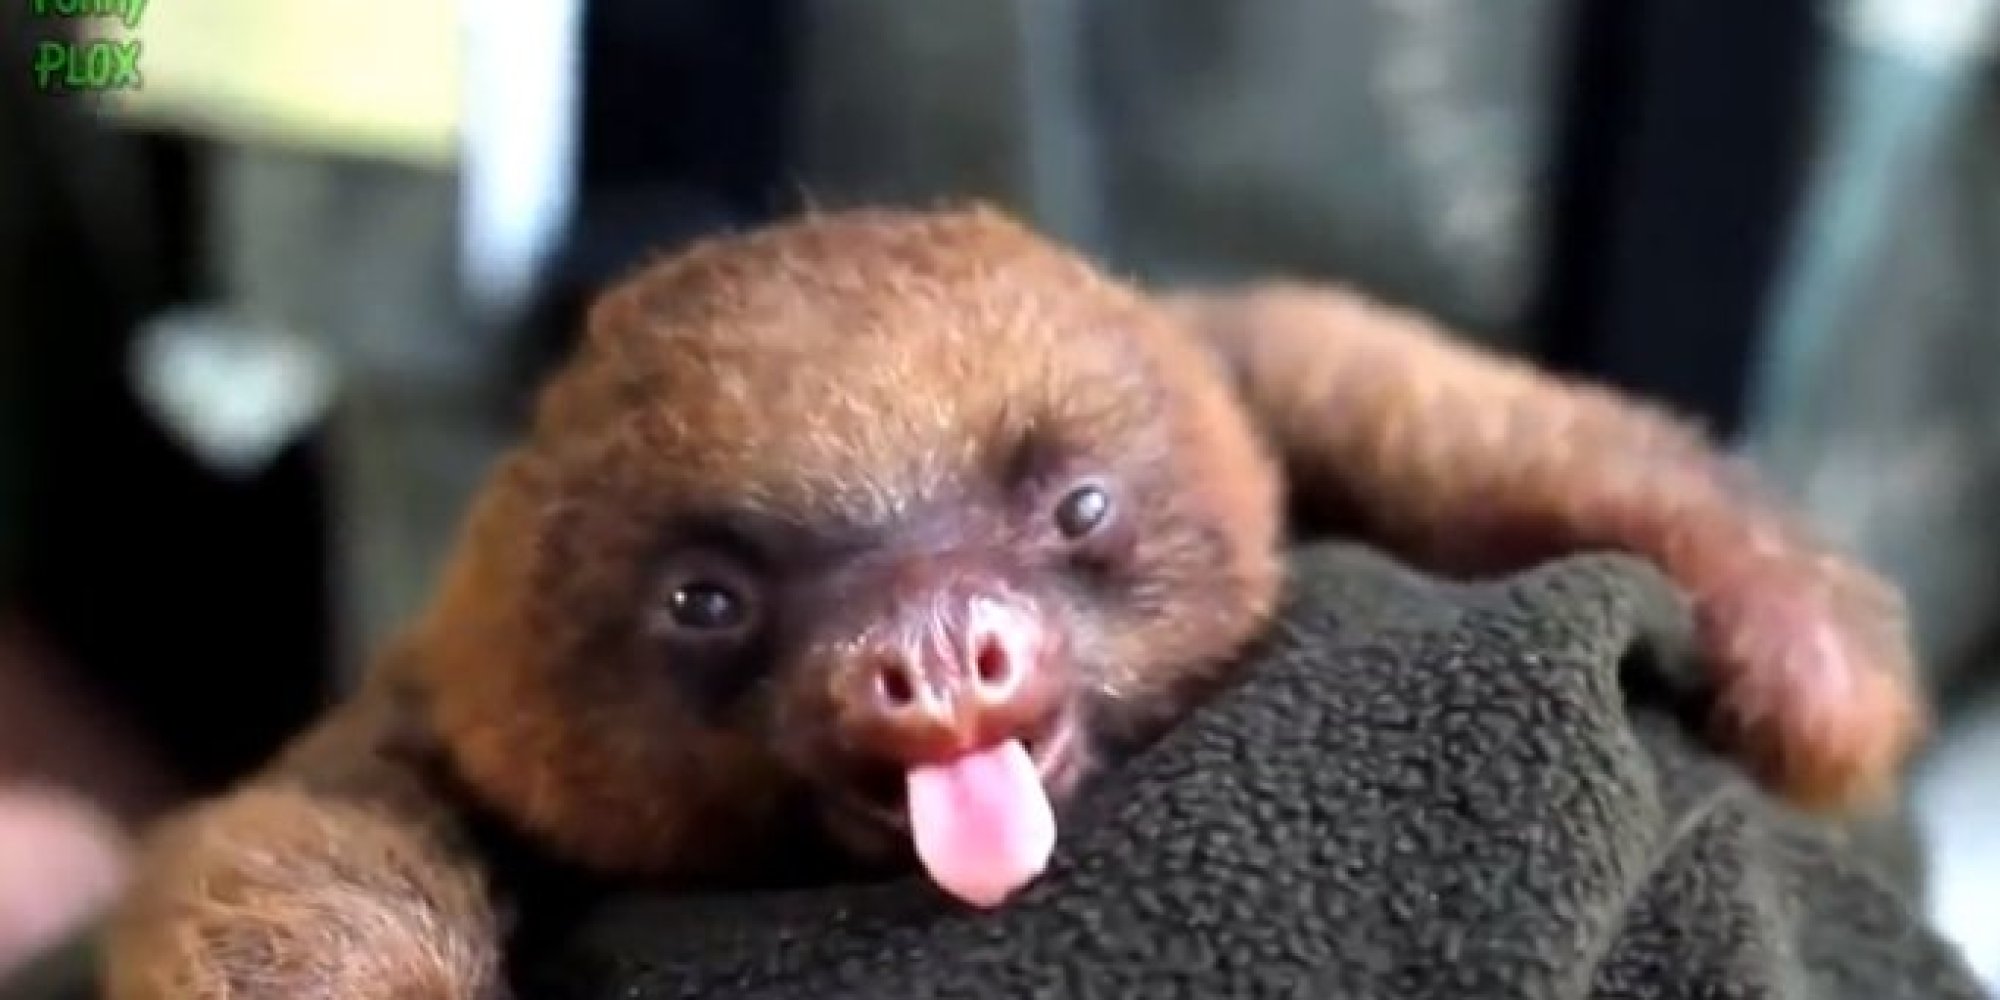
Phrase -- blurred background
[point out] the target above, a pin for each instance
(265, 316)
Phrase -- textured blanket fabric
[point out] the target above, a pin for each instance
(1422, 789)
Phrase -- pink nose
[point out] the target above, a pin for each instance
(985, 675)
(959, 674)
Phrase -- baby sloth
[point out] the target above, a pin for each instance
(871, 528)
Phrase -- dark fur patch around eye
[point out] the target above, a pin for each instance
(1037, 453)
(714, 680)
(1107, 560)
(738, 534)
(1099, 572)
(715, 672)
(772, 543)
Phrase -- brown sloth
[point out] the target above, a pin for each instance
(893, 520)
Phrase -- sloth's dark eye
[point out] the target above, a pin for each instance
(707, 606)
(707, 594)
(1082, 511)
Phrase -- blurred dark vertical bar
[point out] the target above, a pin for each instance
(1685, 125)
(682, 132)
(687, 93)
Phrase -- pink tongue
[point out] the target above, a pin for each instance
(982, 823)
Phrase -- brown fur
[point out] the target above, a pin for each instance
(337, 874)
(873, 372)
(1471, 462)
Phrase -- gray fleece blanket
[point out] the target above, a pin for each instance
(1422, 789)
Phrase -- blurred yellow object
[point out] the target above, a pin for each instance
(373, 78)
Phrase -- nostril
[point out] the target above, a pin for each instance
(993, 665)
(894, 687)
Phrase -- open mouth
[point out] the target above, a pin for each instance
(877, 793)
